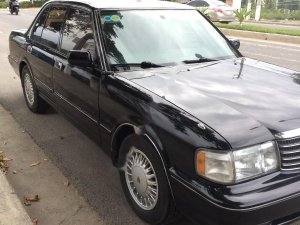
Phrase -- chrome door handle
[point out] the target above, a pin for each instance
(29, 49)
(58, 65)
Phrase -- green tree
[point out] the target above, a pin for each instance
(270, 4)
(241, 14)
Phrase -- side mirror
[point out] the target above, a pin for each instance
(80, 58)
(236, 43)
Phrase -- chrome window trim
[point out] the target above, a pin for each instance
(76, 107)
(288, 134)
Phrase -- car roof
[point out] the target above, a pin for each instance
(126, 4)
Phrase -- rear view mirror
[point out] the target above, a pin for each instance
(236, 43)
(80, 58)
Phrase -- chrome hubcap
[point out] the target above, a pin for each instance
(141, 179)
(28, 88)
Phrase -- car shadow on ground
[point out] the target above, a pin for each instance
(84, 164)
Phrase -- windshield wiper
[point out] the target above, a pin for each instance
(200, 60)
(143, 65)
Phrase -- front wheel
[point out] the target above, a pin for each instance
(34, 102)
(144, 181)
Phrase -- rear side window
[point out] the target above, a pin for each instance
(52, 27)
(39, 25)
(77, 32)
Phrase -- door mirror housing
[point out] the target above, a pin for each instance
(236, 43)
(80, 58)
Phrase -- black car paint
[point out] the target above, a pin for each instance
(157, 103)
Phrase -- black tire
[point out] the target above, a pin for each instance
(225, 22)
(35, 103)
(164, 211)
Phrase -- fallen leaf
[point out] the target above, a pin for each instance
(35, 221)
(14, 172)
(45, 159)
(33, 198)
(29, 199)
(6, 159)
(3, 163)
(35, 164)
(4, 142)
(67, 183)
(27, 203)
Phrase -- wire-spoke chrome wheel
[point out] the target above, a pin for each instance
(28, 89)
(141, 179)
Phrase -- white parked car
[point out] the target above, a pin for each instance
(216, 10)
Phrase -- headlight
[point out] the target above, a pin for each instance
(237, 165)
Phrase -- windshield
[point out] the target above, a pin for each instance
(161, 37)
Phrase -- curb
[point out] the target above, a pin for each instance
(261, 36)
(12, 211)
(283, 23)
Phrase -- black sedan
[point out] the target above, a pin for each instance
(191, 124)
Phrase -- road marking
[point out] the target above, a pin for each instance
(296, 48)
(268, 56)
(267, 42)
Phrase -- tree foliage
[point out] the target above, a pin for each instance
(241, 14)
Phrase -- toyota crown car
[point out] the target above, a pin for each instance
(194, 127)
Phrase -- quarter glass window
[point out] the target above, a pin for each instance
(54, 22)
(77, 32)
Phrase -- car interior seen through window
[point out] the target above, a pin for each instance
(39, 25)
(77, 32)
(52, 27)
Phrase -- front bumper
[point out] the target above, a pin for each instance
(269, 200)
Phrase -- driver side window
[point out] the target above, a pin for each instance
(78, 32)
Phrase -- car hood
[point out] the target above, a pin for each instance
(245, 100)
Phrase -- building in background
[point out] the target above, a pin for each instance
(288, 4)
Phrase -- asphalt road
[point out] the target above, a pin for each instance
(74, 154)
(285, 55)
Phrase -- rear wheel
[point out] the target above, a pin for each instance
(34, 102)
(144, 181)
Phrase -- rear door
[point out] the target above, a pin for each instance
(76, 88)
(44, 46)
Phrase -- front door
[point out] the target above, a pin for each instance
(76, 88)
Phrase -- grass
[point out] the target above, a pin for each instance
(259, 29)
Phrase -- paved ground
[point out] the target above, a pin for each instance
(78, 158)
(286, 55)
(11, 209)
(59, 202)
